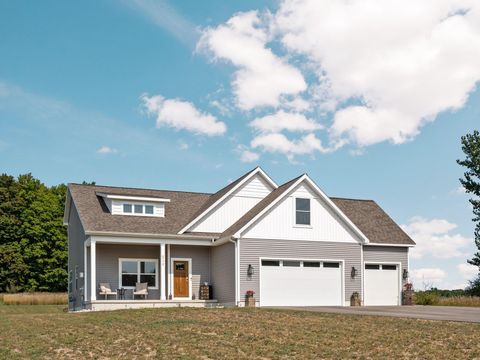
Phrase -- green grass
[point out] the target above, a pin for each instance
(44, 331)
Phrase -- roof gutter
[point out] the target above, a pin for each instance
(149, 236)
(223, 240)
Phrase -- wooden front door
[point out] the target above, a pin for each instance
(180, 279)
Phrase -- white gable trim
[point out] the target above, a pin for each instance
(256, 171)
(323, 196)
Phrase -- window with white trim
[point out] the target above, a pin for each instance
(138, 270)
(138, 209)
(302, 211)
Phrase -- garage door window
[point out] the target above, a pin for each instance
(270, 263)
(291, 263)
(389, 267)
(372, 267)
(313, 264)
(331, 265)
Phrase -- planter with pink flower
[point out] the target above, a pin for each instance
(250, 298)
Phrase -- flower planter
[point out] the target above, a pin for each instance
(355, 299)
(249, 301)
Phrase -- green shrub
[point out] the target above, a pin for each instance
(426, 298)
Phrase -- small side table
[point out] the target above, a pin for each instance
(121, 294)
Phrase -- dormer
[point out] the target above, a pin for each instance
(134, 205)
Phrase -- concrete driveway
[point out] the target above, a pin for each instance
(450, 313)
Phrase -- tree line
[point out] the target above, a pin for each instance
(33, 239)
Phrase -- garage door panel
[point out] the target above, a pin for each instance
(381, 286)
(300, 286)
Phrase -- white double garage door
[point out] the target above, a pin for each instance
(321, 283)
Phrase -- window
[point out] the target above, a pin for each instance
(331, 265)
(372, 267)
(311, 264)
(302, 211)
(149, 209)
(138, 270)
(389, 267)
(270, 263)
(138, 209)
(291, 263)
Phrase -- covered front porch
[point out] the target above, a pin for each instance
(172, 271)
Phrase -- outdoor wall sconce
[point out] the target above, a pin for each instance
(250, 270)
(405, 274)
(353, 273)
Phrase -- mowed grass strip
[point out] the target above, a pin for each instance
(228, 334)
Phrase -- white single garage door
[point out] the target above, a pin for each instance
(382, 284)
(300, 283)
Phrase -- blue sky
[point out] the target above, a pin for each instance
(100, 90)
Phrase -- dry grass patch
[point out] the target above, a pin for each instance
(35, 298)
(460, 301)
(229, 334)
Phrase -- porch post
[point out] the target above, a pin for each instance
(162, 272)
(93, 275)
(85, 273)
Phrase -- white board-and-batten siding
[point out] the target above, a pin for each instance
(234, 207)
(279, 222)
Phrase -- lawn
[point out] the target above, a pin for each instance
(46, 331)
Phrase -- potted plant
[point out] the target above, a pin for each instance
(408, 294)
(249, 298)
(355, 299)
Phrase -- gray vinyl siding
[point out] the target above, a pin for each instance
(107, 269)
(387, 254)
(200, 256)
(223, 273)
(76, 239)
(251, 250)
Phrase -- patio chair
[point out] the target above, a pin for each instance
(141, 289)
(106, 289)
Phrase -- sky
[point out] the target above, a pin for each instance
(369, 97)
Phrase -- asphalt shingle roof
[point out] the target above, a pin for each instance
(184, 207)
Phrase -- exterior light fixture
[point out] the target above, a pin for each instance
(405, 274)
(250, 270)
(353, 273)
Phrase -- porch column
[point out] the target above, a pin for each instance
(162, 272)
(85, 273)
(93, 275)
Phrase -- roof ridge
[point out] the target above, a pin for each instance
(137, 188)
(348, 198)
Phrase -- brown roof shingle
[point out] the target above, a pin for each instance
(373, 222)
(95, 216)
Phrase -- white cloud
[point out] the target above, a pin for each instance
(106, 150)
(285, 121)
(434, 238)
(279, 143)
(459, 191)
(467, 271)
(405, 61)
(247, 155)
(427, 277)
(261, 77)
(166, 17)
(182, 115)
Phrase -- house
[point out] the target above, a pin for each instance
(291, 244)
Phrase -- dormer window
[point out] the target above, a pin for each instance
(302, 212)
(135, 205)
